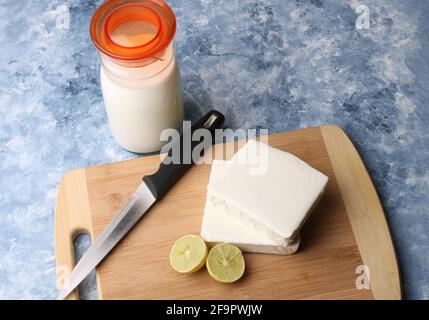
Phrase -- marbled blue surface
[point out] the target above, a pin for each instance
(274, 64)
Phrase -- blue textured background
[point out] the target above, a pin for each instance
(275, 64)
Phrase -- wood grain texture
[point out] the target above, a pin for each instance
(72, 217)
(365, 213)
(138, 268)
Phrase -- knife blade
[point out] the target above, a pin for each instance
(151, 190)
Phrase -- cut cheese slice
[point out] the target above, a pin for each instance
(219, 225)
(277, 198)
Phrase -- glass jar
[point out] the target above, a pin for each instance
(139, 76)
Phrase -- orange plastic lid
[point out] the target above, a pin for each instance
(133, 30)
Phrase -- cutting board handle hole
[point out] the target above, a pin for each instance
(88, 287)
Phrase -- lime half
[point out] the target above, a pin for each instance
(188, 254)
(225, 263)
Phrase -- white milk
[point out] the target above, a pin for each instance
(140, 79)
(142, 101)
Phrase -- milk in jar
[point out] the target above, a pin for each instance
(139, 76)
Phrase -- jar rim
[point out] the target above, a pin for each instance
(133, 30)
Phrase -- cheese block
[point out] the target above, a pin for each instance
(274, 200)
(221, 226)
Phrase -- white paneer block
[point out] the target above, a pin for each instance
(221, 226)
(276, 202)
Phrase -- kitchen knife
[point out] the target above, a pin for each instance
(152, 189)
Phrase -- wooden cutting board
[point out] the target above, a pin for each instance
(348, 229)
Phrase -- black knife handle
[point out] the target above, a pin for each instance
(167, 175)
